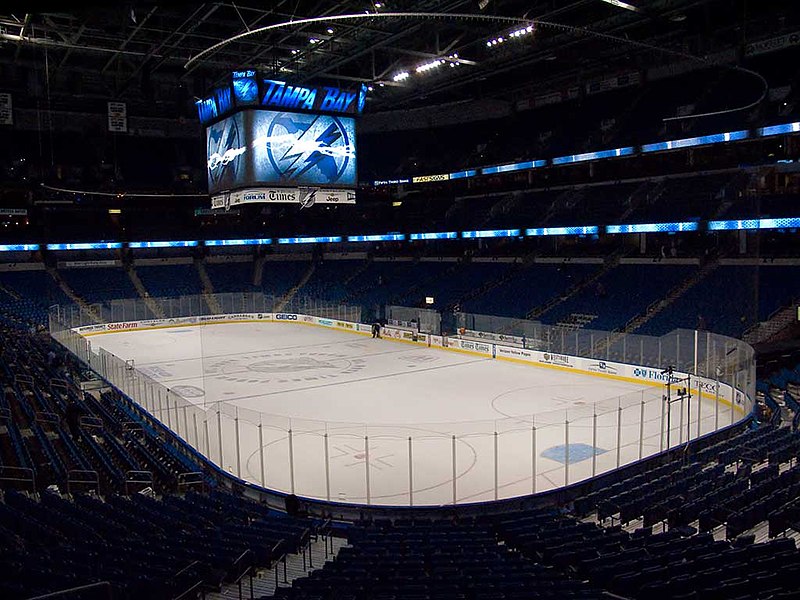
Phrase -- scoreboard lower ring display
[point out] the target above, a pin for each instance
(305, 196)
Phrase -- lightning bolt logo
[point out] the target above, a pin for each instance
(312, 151)
(322, 144)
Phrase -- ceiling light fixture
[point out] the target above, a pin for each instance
(625, 5)
(516, 33)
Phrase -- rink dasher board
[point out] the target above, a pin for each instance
(707, 388)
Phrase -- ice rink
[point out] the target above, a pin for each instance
(394, 423)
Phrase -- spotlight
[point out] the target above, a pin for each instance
(400, 76)
(517, 33)
(330, 31)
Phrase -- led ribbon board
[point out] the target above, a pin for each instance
(780, 223)
(165, 244)
(441, 235)
(779, 129)
(652, 227)
(490, 233)
(310, 240)
(86, 246)
(574, 158)
(388, 237)
(19, 247)
(463, 174)
(511, 167)
(251, 242)
(585, 230)
(717, 138)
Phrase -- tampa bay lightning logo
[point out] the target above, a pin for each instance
(309, 148)
(307, 199)
(224, 149)
(245, 90)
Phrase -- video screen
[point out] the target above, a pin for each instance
(263, 147)
(226, 154)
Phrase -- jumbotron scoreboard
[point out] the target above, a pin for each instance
(268, 141)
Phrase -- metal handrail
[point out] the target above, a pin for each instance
(62, 383)
(186, 568)
(242, 573)
(90, 421)
(184, 477)
(70, 480)
(237, 566)
(31, 479)
(130, 478)
(82, 588)
(131, 473)
(47, 417)
(192, 592)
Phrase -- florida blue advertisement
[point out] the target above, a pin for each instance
(280, 148)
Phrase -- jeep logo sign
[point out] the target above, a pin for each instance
(285, 317)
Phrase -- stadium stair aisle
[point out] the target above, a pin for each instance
(285, 572)
(72, 295)
(287, 298)
(772, 328)
(621, 293)
(513, 270)
(208, 287)
(280, 276)
(329, 280)
(232, 276)
(576, 288)
(98, 284)
(171, 280)
(429, 274)
(143, 293)
(673, 296)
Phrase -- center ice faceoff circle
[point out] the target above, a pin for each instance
(284, 367)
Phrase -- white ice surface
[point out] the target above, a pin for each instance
(315, 381)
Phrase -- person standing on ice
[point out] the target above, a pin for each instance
(376, 330)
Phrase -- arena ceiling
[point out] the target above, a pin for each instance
(119, 50)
